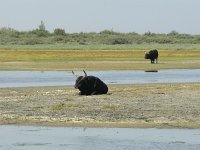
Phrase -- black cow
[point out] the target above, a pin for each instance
(152, 55)
(90, 85)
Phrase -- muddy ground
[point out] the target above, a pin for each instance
(142, 105)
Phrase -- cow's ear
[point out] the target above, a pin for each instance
(85, 79)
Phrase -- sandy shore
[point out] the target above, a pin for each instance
(144, 105)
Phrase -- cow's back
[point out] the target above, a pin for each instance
(101, 87)
(153, 54)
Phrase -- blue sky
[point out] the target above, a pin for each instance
(159, 16)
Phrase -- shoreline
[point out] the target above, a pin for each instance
(98, 124)
(173, 105)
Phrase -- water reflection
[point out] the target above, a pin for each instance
(51, 138)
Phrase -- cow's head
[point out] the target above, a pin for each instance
(81, 81)
(146, 56)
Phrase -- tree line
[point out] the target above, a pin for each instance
(40, 35)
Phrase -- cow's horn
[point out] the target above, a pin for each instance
(85, 73)
(74, 74)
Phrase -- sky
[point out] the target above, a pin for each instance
(140, 16)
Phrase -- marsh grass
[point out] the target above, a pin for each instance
(69, 55)
(96, 59)
(92, 55)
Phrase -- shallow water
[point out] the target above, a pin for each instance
(51, 138)
(59, 78)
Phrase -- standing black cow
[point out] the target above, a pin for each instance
(152, 55)
(90, 85)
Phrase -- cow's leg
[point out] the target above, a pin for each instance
(81, 93)
(94, 93)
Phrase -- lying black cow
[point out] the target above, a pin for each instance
(90, 85)
(152, 55)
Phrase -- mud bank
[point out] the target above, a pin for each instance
(142, 105)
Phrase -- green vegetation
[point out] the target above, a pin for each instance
(75, 46)
(40, 49)
(40, 38)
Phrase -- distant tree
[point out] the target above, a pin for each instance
(32, 41)
(109, 32)
(120, 41)
(7, 31)
(42, 26)
(41, 30)
(149, 33)
(59, 31)
(173, 33)
(132, 33)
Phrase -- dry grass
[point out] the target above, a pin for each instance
(142, 105)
